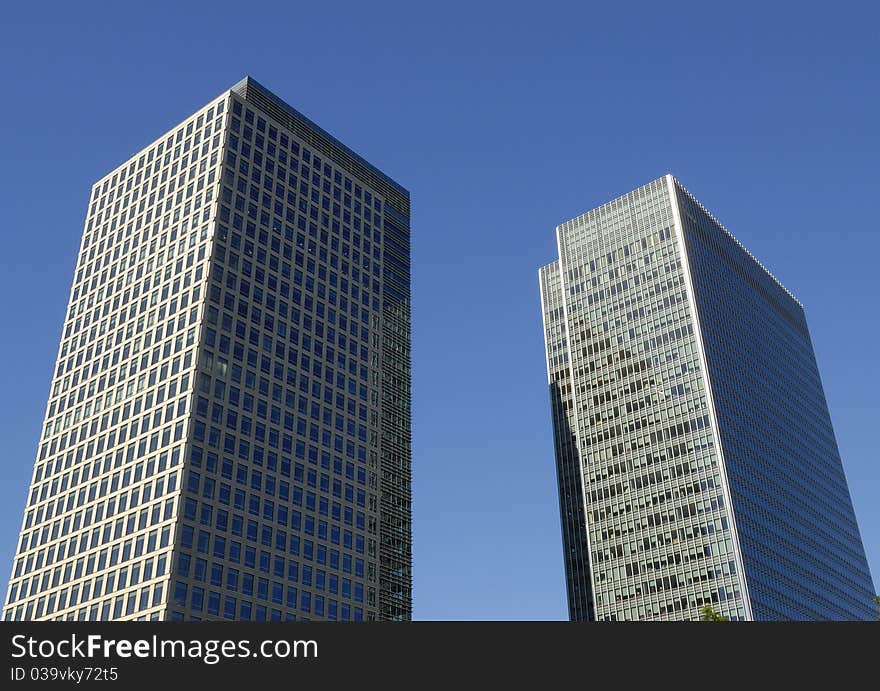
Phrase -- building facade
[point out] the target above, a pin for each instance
(695, 455)
(227, 434)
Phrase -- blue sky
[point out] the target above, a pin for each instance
(503, 119)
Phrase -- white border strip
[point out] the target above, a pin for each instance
(685, 263)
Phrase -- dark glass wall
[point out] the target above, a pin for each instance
(297, 502)
(801, 547)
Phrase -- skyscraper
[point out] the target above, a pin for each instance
(227, 434)
(695, 455)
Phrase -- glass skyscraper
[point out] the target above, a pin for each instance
(695, 455)
(227, 434)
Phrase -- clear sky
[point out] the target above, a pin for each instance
(503, 120)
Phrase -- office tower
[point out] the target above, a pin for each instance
(228, 429)
(695, 455)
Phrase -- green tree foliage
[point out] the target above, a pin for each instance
(708, 613)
